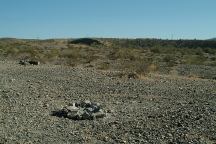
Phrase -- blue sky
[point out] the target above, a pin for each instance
(186, 19)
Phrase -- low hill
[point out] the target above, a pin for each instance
(129, 55)
(85, 41)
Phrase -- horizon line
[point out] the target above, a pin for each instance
(56, 38)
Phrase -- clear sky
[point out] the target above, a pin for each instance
(187, 19)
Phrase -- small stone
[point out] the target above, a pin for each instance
(72, 108)
(12, 80)
(99, 114)
(139, 134)
(87, 115)
(46, 105)
(72, 115)
(110, 111)
(78, 104)
(95, 107)
(90, 110)
(5, 91)
(98, 104)
(87, 103)
(190, 102)
(106, 139)
(169, 134)
(23, 62)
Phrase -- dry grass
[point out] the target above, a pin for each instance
(104, 66)
(111, 55)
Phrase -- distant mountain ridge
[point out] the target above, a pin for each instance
(214, 39)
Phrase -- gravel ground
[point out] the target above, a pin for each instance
(201, 71)
(156, 109)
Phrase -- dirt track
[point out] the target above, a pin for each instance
(157, 109)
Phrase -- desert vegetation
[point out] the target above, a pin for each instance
(142, 56)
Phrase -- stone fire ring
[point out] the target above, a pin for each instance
(82, 110)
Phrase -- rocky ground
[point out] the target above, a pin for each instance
(154, 109)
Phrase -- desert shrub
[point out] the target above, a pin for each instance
(199, 51)
(213, 58)
(78, 55)
(212, 63)
(104, 66)
(124, 53)
(170, 50)
(188, 51)
(164, 49)
(170, 60)
(152, 68)
(33, 52)
(209, 50)
(195, 59)
(11, 51)
(155, 50)
(1, 51)
(71, 53)
(53, 53)
(141, 67)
